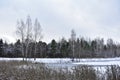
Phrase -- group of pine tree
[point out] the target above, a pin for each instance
(63, 48)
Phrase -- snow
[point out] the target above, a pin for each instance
(99, 61)
(10, 59)
(88, 61)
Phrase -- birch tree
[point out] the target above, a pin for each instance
(28, 35)
(37, 35)
(21, 33)
(73, 38)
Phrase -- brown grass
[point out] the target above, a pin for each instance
(10, 70)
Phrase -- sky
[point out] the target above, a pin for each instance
(89, 18)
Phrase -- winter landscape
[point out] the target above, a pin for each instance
(59, 40)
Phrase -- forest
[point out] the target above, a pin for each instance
(63, 49)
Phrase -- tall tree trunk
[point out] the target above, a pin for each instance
(35, 51)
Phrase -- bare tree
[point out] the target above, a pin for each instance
(21, 33)
(28, 35)
(73, 38)
(37, 35)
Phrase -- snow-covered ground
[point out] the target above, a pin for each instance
(90, 61)
(58, 63)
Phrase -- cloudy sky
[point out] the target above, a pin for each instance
(89, 18)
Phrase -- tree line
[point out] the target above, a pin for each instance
(62, 49)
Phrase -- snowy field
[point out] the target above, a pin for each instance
(90, 61)
(58, 63)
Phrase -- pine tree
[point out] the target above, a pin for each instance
(1, 47)
(93, 48)
(53, 50)
(17, 49)
(64, 48)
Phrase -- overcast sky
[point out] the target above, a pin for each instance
(89, 18)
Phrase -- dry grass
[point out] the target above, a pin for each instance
(32, 71)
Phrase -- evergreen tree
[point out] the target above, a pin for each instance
(17, 49)
(53, 50)
(1, 47)
(93, 48)
(64, 48)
